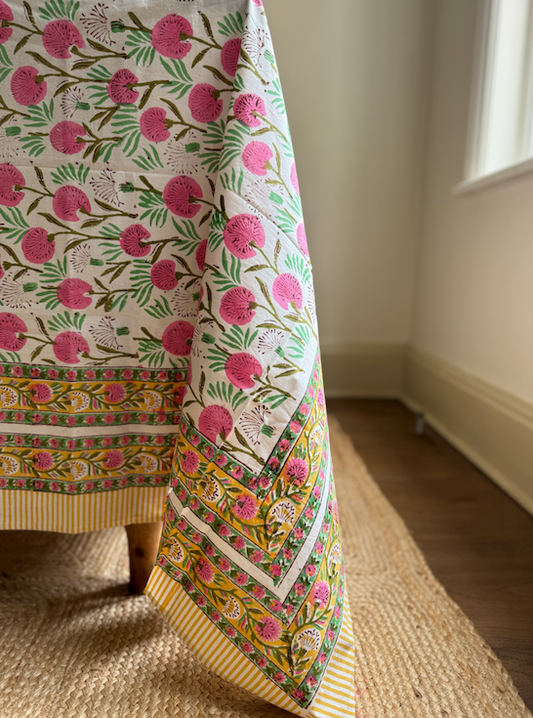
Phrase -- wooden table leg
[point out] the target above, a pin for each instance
(143, 543)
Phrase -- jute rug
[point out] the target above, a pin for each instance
(75, 644)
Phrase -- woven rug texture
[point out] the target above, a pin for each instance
(75, 644)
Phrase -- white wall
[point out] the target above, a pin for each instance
(354, 73)
(473, 305)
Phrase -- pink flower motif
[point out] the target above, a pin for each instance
(209, 518)
(2, 437)
(120, 87)
(11, 330)
(190, 462)
(224, 564)
(337, 612)
(114, 459)
(258, 592)
(262, 662)
(230, 631)
(169, 35)
(177, 338)
(36, 246)
(273, 462)
(287, 553)
(68, 200)
(284, 445)
(310, 570)
(109, 418)
(309, 513)
(35, 371)
(154, 124)
(229, 55)
(256, 157)
(321, 658)
(302, 239)
(53, 419)
(248, 108)
(71, 293)
(269, 629)
(241, 368)
(89, 486)
(109, 374)
(115, 393)
(107, 441)
(215, 421)
(163, 275)
(27, 86)
(258, 3)
(237, 472)
(320, 593)
(279, 677)
(330, 635)
(123, 481)
(43, 461)
(38, 484)
(53, 373)
(311, 681)
(200, 601)
(239, 543)
(210, 550)
(131, 240)
(246, 507)
(237, 306)
(126, 374)
(247, 647)
(11, 180)
(41, 393)
(59, 36)
(257, 556)
(287, 290)
(320, 397)
(181, 194)
(319, 548)
(205, 103)
(295, 427)
(200, 254)
(64, 137)
(241, 578)
(221, 460)
(316, 492)
(275, 570)
(242, 233)
(37, 418)
(68, 345)
(294, 178)
(205, 571)
(216, 617)
(5, 14)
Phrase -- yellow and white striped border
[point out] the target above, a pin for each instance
(335, 698)
(46, 511)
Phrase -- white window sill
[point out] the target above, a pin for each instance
(504, 176)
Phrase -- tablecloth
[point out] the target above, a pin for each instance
(158, 338)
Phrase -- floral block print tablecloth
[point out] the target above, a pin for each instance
(158, 331)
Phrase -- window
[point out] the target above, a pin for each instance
(502, 123)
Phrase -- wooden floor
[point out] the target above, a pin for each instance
(477, 540)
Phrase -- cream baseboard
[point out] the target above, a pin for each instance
(363, 370)
(490, 426)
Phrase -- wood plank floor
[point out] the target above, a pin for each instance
(476, 539)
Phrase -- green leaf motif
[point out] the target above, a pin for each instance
(60, 322)
(126, 124)
(156, 210)
(70, 173)
(182, 82)
(150, 352)
(14, 226)
(149, 159)
(233, 183)
(142, 50)
(141, 281)
(59, 9)
(231, 25)
(5, 64)
(160, 309)
(277, 95)
(226, 393)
